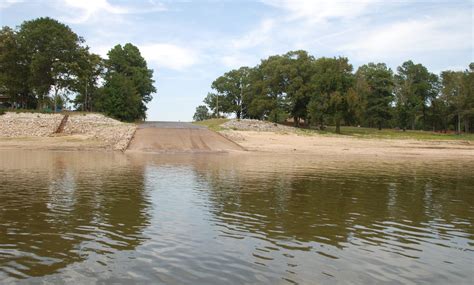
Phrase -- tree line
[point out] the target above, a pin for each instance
(326, 91)
(44, 65)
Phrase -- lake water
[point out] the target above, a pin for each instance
(72, 217)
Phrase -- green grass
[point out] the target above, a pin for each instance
(366, 133)
(212, 124)
(389, 134)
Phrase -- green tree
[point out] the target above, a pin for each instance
(50, 49)
(216, 103)
(128, 84)
(415, 88)
(90, 68)
(13, 70)
(458, 92)
(297, 71)
(201, 114)
(332, 81)
(120, 99)
(375, 84)
(272, 84)
(231, 87)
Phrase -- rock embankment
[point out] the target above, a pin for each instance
(14, 125)
(115, 133)
(256, 125)
(111, 133)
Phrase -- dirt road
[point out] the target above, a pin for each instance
(169, 137)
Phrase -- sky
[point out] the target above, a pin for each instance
(188, 44)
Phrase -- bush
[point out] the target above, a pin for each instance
(278, 116)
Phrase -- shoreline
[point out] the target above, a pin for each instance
(345, 146)
(64, 131)
(274, 144)
(95, 132)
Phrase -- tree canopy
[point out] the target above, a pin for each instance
(298, 87)
(43, 63)
(128, 84)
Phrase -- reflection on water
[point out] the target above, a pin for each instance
(215, 219)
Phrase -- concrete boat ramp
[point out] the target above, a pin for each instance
(179, 137)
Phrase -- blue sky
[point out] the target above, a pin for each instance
(190, 43)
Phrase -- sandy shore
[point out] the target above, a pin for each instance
(63, 142)
(96, 132)
(344, 146)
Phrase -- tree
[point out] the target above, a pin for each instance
(201, 114)
(375, 83)
(13, 70)
(50, 49)
(90, 69)
(216, 103)
(415, 88)
(332, 81)
(120, 99)
(128, 84)
(231, 87)
(271, 83)
(297, 70)
(458, 92)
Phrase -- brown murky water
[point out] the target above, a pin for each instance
(90, 218)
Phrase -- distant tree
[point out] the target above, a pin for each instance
(13, 74)
(332, 80)
(216, 103)
(375, 83)
(257, 105)
(231, 87)
(50, 51)
(128, 84)
(415, 88)
(120, 99)
(90, 68)
(272, 83)
(297, 71)
(201, 114)
(458, 92)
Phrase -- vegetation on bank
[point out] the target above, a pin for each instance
(356, 132)
(212, 124)
(327, 91)
(372, 133)
(44, 65)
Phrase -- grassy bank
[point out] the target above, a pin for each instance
(367, 133)
(212, 124)
(392, 134)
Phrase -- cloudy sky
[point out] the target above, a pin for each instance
(190, 43)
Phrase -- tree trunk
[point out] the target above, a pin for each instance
(424, 116)
(55, 100)
(380, 126)
(466, 125)
(296, 121)
(338, 126)
(459, 124)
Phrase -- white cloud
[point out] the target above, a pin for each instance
(237, 60)
(169, 55)
(255, 37)
(7, 3)
(450, 32)
(91, 8)
(321, 10)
